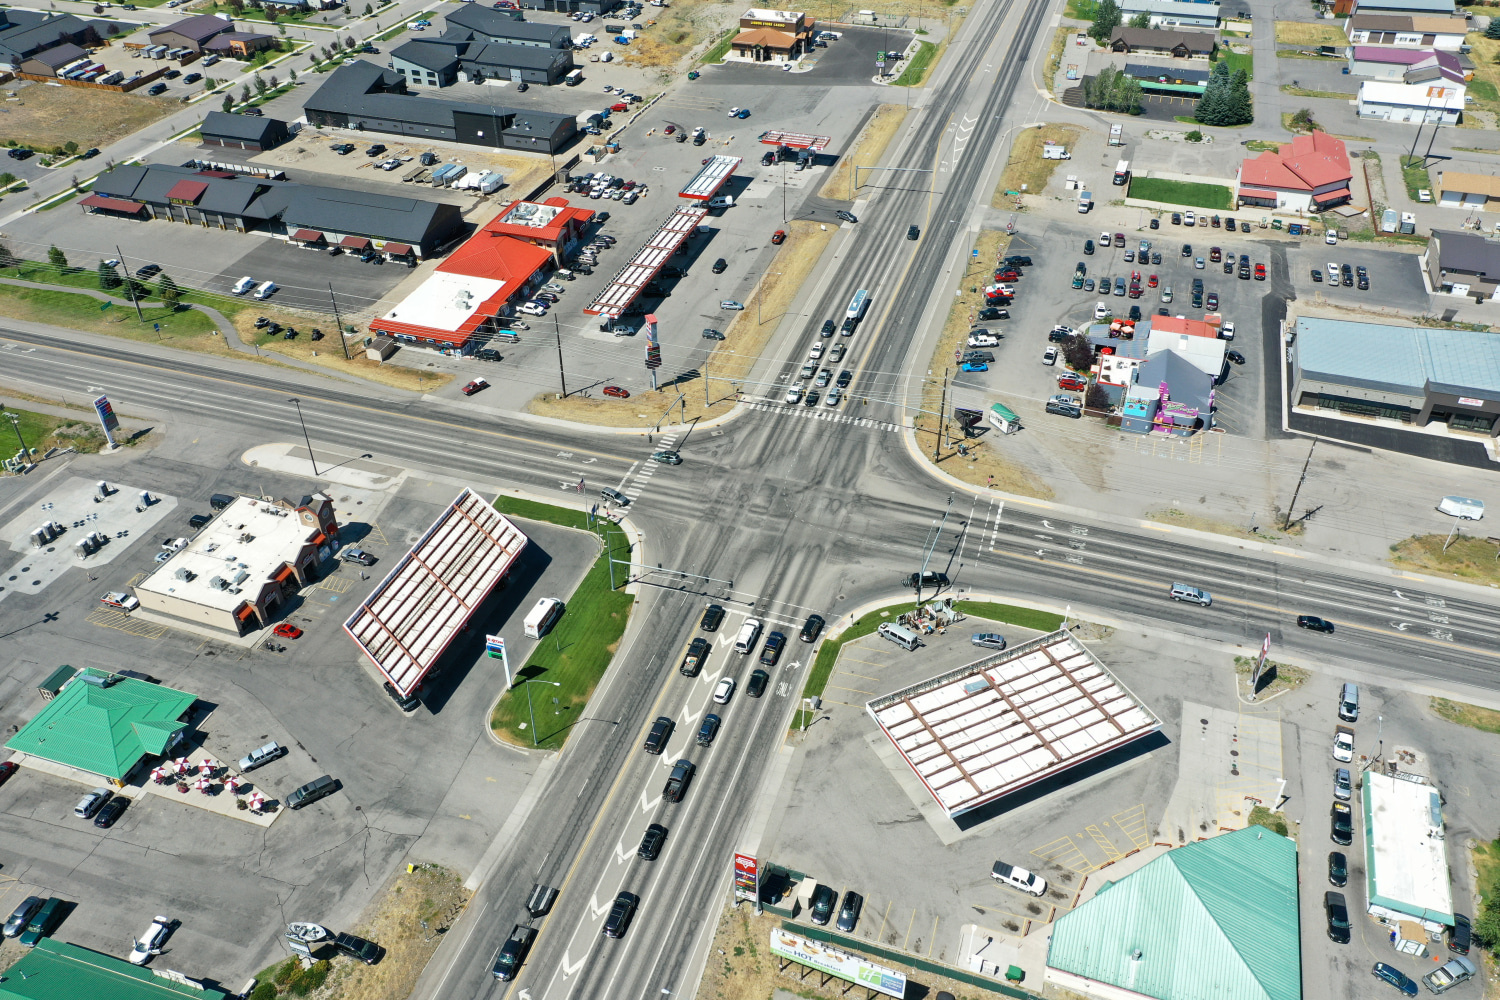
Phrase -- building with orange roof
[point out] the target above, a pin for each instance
(471, 294)
(1309, 174)
(772, 36)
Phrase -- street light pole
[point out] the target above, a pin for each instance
(298, 404)
(15, 422)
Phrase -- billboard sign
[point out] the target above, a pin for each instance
(106, 413)
(650, 329)
(744, 876)
(1260, 664)
(851, 968)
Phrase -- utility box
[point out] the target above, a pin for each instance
(55, 681)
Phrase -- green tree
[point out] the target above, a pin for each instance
(1194, 136)
(1212, 106)
(109, 278)
(57, 258)
(70, 146)
(245, 94)
(7, 259)
(1303, 120)
(292, 73)
(168, 291)
(260, 85)
(1141, 20)
(1493, 31)
(134, 290)
(349, 42)
(1241, 109)
(1106, 18)
(1078, 352)
(7, 179)
(370, 10)
(228, 103)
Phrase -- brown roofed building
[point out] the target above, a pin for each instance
(772, 36)
(190, 32)
(1156, 42)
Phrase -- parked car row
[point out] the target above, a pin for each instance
(602, 185)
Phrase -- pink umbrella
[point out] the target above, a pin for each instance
(205, 768)
(233, 784)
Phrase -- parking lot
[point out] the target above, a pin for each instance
(230, 883)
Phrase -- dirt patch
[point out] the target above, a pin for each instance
(865, 151)
(982, 462)
(1026, 172)
(1182, 519)
(674, 33)
(40, 116)
(1306, 33)
(714, 388)
(1282, 677)
(326, 352)
(393, 920)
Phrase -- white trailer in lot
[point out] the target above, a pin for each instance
(1052, 151)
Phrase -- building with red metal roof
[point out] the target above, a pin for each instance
(553, 224)
(1309, 174)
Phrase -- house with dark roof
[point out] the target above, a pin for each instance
(1156, 42)
(242, 131)
(1464, 264)
(49, 62)
(477, 21)
(190, 32)
(361, 96)
(25, 33)
(444, 61)
(239, 44)
(1309, 174)
(304, 213)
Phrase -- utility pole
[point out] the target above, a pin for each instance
(15, 421)
(938, 533)
(338, 323)
(1286, 525)
(942, 406)
(560, 376)
(134, 298)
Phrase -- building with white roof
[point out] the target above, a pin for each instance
(1406, 856)
(1439, 102)
(244, 563)
(986, 730)
(1173, 13)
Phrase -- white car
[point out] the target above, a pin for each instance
(1188, 219)
(835, 397)
(816, 352)
(1330, 238)
(150, 942)
(1049, 357)
(724, 690)
(533, 309)
(1227, 330)
(1333, 273)
(553, 287)
(794, 394)
(120, 599)
(732, 305)
(1101, 309)
(734, 112)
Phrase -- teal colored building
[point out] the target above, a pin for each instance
(1212, 920)
(56, 970)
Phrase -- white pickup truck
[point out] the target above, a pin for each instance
(1343, 743)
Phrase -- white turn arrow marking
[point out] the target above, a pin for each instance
(622, 853)
(1400, 626)
(1399, 596)
(648, 801)
(569, 968)
(1047, 524)
(594, 906)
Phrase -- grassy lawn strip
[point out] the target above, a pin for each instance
(573, 656)
(1486, 720)
(720, 49)
(1214, 196)
(1055, 53)
(1239, 61)
(1415, 176)
(1307, 33)
(1287, 88)
(1261, 145)
(917, 67)
(828, 651)
(42, 431)
(1081, 10)
(1487, 865)
(1471, 559)
(1484, 90)
(1026, 166)
(80, 312)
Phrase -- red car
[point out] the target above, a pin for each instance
(1070, 381)
(1135, 291)
(287, 631)
(1151, 281)
(1260, 272)
(1008, 274)
(1135, 277)
(619, 106)
(7, 769)
(1119, 239)
(616, 392)
(778, 237)
(475, 386)
(669, 130)
(1215, 254)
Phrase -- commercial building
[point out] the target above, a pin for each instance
(242, 131)
(429, 596)
(191, 33)
(1457, 189)
(54, 970)
(470, 295)
(599, 7)
(1412, 375)
(27, 33)
(239, 569)
(239, 44)
(1426, 8)
(1309, 174)
(1215, 918)
(1406, 31)
(1391, 64)
(1463, 264)
(480, 44)
(1196, 341)
(774, 36)
(1425, 103)
(1156, 74)
(1406, 857)
(1170, 395)
(1172, 13)
(106, 725)
(986, 730)
(309, 214)
(49, 62)
(477, 21)
(362, 96)
(1167, 44)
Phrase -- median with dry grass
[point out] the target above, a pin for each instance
(326, 352)
(865, 151)
(713, 388)
(1470, 559)
(1026, 172)
(983, 461)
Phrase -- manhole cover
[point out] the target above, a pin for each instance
(1204, 721)
(1234, 753)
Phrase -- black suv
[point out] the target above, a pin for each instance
(758, 680)
(929, 579)
(828, 328)
(712, 616)
(1338, 917)
(405, 702)
(768, 158)
(824, 898)
(656, 835)
(199, 520)
(708, 730)
(720, 266)
(620, 914)
(912, 232)
(771, 651)
(811, 628)
(367, 952)
(513, 952)
(661, 731)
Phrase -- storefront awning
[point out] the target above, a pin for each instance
(284, 575)
(245, 611)
(397, 248)
(307, 235)
(1328, 196)
(355, 243)
(112, 204)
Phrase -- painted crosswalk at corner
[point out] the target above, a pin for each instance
(819, 414)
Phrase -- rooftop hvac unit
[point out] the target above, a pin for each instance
(218, 583)
(184, 574)
(240, 577)
(97, 680)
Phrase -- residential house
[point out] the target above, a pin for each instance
(242, 131)
(772, 36)
(1463, 264)
(1167, 44)
(1428, 102)
(1309, 174)
(190, 32)
(1172, 13)
(1407, 32)
(1457, 189)
(360, 95)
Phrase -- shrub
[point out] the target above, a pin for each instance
(263, 991)
(1194, 136)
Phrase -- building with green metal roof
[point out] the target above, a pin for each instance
(56, 970)
(1213, 919)
(106, 724)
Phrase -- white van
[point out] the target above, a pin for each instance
(900, 635)
(749, 632)
(265, 290)
(542, 617)
(243, 285)
(1462, 508)
(721, 201)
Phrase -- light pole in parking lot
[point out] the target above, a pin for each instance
(298, 404)
(529, 712)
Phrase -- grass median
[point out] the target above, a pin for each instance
(1026, 171)
(554, 686)
(1466, 558)
(1308, 33)
(43, 431)
(919, 66)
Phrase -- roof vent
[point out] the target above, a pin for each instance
(1135, 956)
